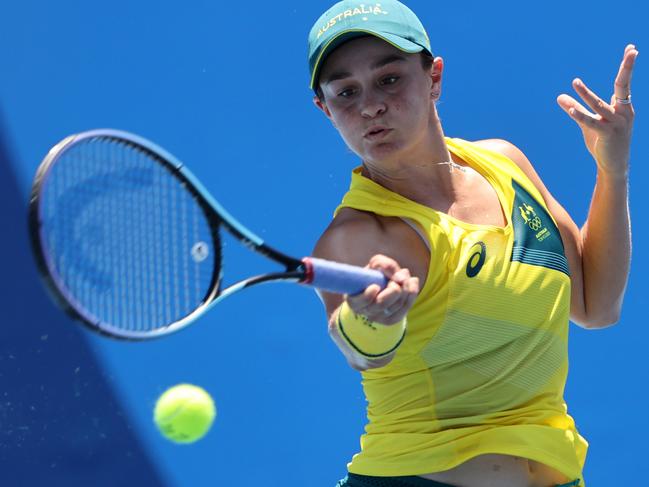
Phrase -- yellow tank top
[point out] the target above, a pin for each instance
(483, 366)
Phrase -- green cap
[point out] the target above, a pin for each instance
(389, 20)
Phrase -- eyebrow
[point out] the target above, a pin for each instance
(384, 61)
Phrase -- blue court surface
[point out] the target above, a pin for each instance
(224, 86)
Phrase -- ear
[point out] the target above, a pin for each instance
(436, 76)
(323, 107)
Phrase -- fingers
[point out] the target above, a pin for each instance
(395, 301)
(622, 87)
(391, 304)
(599, 106)
(384, 264)
(602, 110)
(577, 111)
(607, 131)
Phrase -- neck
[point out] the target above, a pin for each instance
(424, 168)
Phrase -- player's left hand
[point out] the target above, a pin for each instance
(607, 131)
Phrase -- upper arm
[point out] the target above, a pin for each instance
(351, 239)
(570, 232)
(354, 237)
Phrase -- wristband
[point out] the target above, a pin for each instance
(369, 338)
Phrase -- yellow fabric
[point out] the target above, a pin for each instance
(369, 338)
(483, 365)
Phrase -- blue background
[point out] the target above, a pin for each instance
(225, 88)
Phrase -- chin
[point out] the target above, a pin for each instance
(382, 152)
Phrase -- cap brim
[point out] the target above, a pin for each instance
(399, 42)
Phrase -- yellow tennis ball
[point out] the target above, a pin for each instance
(184, 413)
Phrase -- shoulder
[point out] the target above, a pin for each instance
(520, 159)
(349, 222)
(517, 156)
(353, 236)
(507, 149)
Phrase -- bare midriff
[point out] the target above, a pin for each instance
(496, 470)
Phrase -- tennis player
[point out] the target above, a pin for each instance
(464, 354)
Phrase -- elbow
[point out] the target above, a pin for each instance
(599, 313)
(596, 321)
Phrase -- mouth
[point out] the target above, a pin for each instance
(376, 132)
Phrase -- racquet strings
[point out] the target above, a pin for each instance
(126, 243)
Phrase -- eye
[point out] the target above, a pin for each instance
(389, 80)
(347, 92)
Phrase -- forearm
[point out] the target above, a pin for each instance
(606, 250)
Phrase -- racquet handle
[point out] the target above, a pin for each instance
(340, 278)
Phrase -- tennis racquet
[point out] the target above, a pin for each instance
(129, 242)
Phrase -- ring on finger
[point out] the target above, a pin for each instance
(624, 101)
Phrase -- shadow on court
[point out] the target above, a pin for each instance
(60, 422)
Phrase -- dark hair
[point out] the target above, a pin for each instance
(426, 63)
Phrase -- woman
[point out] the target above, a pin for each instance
(464, 353)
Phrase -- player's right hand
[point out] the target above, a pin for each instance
(391, 304)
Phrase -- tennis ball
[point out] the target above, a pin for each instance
(184, 413)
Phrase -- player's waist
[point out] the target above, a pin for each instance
(385, 454)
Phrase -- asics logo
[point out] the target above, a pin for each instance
(476, 259)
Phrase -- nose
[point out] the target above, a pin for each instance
(372, 106)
